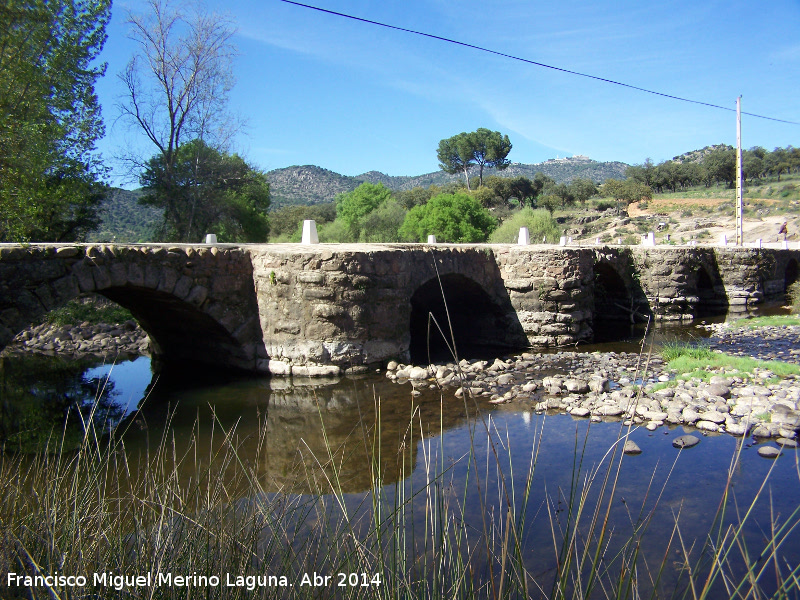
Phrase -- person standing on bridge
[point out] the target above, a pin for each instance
(783, 230)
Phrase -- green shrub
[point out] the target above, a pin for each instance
(540, 224)
(90, 309)
(793, 296)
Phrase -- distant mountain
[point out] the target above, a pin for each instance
(307, 185)
(125, 220)
(315, 185)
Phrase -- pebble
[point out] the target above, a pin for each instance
(598, 385)
(101, 339)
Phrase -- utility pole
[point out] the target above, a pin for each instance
(739, 199)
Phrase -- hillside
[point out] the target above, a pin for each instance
(315, 185)
(125, 220)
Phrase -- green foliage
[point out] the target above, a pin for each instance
(540, 224)
(414, 197)
(204, 191)
(482, 147)
(769, 321)
(286, 223)
(50, 118)
(352, 207)
(793, 293)
(627, 191)
(383, 224)
(88, 310)
(549, 202)
(455, 218)
(582, 189)
(335, 232)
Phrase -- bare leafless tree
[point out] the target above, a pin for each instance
(178, 81)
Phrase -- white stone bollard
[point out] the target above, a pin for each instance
(758, 243)
(596, 240)
(211, 238)
(431, 239)
(649, 239)
(569, 240)
(619, 241)
(524, 237)
(785, 245)
(723, 240)
(562, 241)
(310, 232)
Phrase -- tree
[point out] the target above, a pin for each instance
(353, 206)
(207, 191)
(482, 147)
(582, 189)
(456, 218)
(50, 118)
(627, 191)
(490, 149)
(383, 224)
(455, 155)
(177, 89)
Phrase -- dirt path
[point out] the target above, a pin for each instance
(716, 223)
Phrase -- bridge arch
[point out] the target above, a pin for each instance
(709, 288)
(196, 306)
(790, 274)
(465, 312)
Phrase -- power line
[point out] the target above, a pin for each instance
(531, 62)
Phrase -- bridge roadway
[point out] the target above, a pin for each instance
(332, 308)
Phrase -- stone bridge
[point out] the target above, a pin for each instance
(327, 309)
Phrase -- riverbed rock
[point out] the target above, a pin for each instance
(769, 452)
(685, 441)
(631, 447)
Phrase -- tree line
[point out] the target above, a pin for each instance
(177, 84)
(717, 166)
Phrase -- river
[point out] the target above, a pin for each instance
(305, 434)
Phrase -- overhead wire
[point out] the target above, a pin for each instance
(531, 62)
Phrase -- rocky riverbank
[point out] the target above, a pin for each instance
(84, 339)
(601, 386)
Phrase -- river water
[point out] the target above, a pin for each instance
(295, 429)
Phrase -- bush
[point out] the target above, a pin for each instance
(793, 296)
(454, 218)
(540, 224)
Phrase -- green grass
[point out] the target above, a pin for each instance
(770, 321)
(698, 361)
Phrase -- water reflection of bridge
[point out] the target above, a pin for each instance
(301, 436)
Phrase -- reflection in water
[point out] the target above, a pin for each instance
(43, 398)
(299, 429)
(306, 438)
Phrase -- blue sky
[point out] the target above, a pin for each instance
(351, 97)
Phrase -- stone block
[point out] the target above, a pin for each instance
(312, 277)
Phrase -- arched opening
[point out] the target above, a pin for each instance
(613, 305)
(790, 275)
(179, 331)
(480, 327)
(710, 300)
